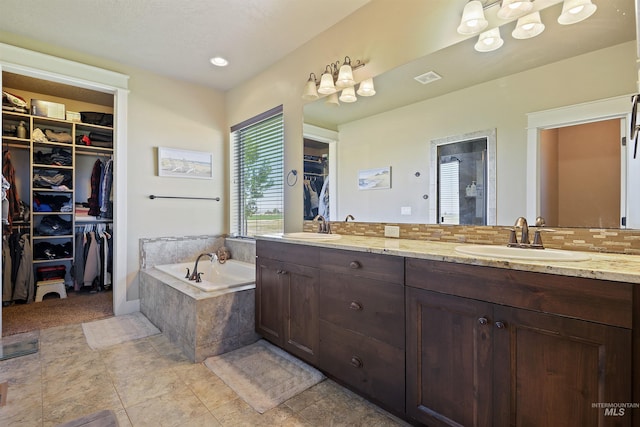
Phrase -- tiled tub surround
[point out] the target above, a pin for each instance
(575, 239)
(201, 324)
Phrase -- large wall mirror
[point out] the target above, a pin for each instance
(566, 65)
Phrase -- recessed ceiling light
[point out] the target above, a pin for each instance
(219, 61)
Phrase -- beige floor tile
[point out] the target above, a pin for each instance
(170, 410)
(24, 404)
(21, 370)
(149, 382)
(135, 389)
(68, 408)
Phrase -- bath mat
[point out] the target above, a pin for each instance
(263, 375)
(116, 330)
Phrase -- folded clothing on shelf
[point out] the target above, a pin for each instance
(54, 225)
(48, 178)
(47, 250)
(95, 118)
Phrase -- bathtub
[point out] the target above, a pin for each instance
(215, 276)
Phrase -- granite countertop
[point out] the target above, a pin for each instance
(614, 267)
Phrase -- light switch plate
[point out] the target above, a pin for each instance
(391, 231)
(405, 210)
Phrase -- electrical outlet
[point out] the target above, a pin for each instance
(391, 231)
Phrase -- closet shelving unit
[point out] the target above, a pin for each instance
(76, 152)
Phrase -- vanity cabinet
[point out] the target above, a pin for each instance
(495, 347)
(287, 304)
(342, 311)
(362, 330)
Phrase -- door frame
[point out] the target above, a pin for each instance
(603, 109)
(46, 67)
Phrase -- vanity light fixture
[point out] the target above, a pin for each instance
(489, 40)
(514, 8)
(529, 24)
(472, 21)
(337, 77)
(574, 11)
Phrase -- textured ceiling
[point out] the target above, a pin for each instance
(177, 38)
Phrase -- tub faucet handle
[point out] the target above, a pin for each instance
(188, 274)
(199, 278)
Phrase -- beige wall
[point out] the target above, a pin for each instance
(401, 138)
(169, 113)
(381, 34)
(549, 176)
(589, 175)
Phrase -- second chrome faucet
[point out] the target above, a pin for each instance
(521, 223)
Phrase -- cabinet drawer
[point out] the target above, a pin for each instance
(376, 266)
(369, 366)
(599, 301)
(370, 307)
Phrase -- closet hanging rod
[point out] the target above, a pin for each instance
(217, 199)
(94, 153)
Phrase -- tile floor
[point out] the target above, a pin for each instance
(148, 382)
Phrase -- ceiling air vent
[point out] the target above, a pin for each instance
(428, 77)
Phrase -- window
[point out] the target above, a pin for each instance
(257, 171)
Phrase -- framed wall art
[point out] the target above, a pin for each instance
(175, 162)
(374, 179)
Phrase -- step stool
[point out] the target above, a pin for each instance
(45, 288)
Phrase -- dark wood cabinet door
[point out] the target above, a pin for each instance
(269, 304)
(300, 314)
(550, 370)
(449, 359)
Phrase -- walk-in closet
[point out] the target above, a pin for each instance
(316, 184)
(57, 217)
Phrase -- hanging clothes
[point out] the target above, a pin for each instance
(24, 286)
(106, 205)
(7, 283)
(94, 203)
(9, 172)
(323, 203)
(92, 262)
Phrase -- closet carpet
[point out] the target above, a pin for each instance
(78, 307)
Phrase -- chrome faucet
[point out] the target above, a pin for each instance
(521, 222)
(524, 235)
(349, 217)
(195, 275)
(323, 226)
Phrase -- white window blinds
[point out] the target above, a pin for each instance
(449, 193)
(257, 170)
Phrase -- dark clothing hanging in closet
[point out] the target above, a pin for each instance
(94, 202)
(9, 172)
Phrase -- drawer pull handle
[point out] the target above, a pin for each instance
(281, 272)
(356, 306)
(354, 264)
(356, 362)
(483, 321)
(500, 325)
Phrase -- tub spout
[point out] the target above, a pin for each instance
(194, 274)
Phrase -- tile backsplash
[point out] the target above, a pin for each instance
(577, 239)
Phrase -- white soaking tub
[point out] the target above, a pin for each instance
(215, 276)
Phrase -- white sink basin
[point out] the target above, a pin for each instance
(311, 236)
(500, 252)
